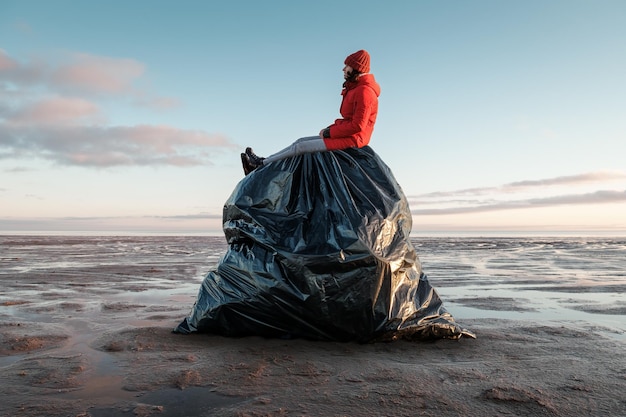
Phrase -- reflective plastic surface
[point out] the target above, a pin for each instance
(319, 248)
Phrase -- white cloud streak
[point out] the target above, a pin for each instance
(598, 197)
(498, 198)
(571, 180)
(92, 146)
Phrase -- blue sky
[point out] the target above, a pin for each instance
(495, 116)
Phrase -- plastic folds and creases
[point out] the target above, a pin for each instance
(319, 248)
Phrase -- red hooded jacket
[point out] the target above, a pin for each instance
(359, 108)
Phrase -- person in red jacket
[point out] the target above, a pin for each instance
(359, 108)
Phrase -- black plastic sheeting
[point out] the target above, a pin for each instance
(319, 248)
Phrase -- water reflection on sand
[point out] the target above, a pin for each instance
(581, 281)
(151, 279)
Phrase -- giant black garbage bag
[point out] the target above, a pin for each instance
(319, 248)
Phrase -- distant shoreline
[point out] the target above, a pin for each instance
(414, 233)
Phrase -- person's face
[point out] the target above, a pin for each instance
(347, 70)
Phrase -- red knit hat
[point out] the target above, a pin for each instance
(359, 61)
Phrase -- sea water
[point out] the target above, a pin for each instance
(572, 281)
(576, 281)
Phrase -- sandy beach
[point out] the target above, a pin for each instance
(86, 330)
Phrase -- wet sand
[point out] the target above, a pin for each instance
(85, 330)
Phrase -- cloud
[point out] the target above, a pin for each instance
(530, 184)
(75, 73)
(17, 169)
(108, 146)
(47, 111)
(199, 216)
(533, 192)
(33, 196)
(203, 223)
(20, 76)
(53, 111)
(568, 180)
(23, 27)
(156, 103)
(97, 74)
(603, 196)
(6, 62)
(80, 75)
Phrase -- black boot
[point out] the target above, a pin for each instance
(254, 158)
(246, 163)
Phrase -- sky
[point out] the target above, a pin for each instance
(128, 117)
